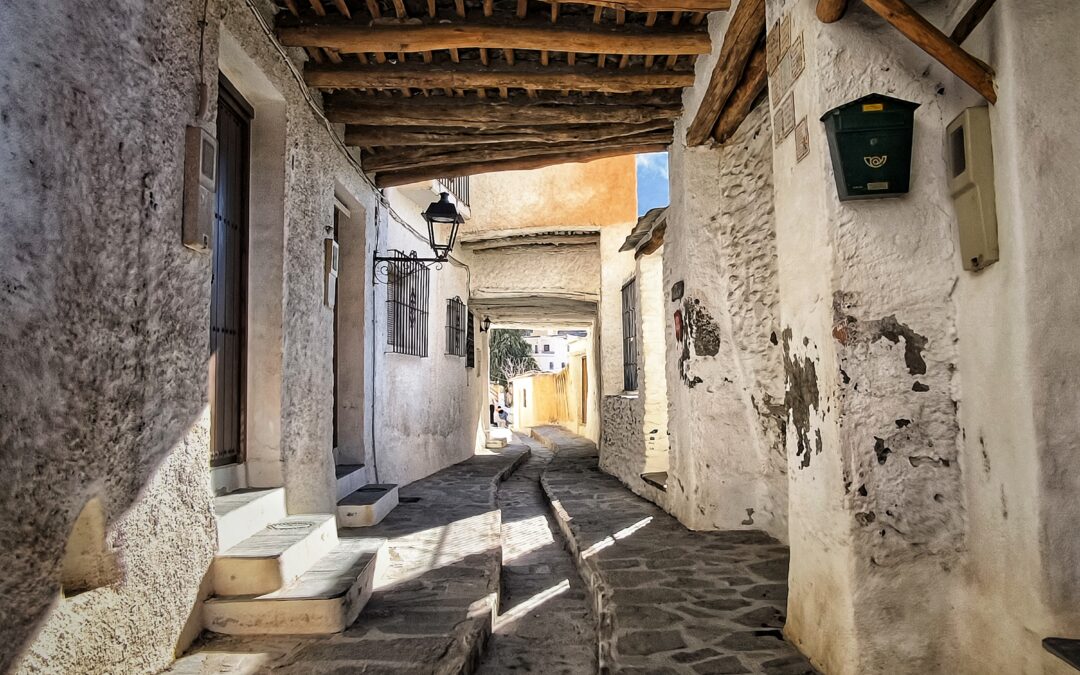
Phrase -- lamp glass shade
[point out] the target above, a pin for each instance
(485, 325)
(438, 215)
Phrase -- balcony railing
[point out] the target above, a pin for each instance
(459, 187)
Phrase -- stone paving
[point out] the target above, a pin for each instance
(668, 600)
(435, 594)
(545, 624)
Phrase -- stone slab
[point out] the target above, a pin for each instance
(240, 514)
(367, 505)
(274, 556)
(667, 599)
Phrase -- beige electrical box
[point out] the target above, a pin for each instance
(971, 183)
(200, 175)
(331, 266)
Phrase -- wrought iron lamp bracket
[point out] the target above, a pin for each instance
(380, 269)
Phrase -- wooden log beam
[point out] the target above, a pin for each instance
(398, 159)
(657, 5)
(742, 36)
(469, 168)
(755, 79)
(830, 11)
(927, 37)
(971, 19)
(413, 36)
(475, 76)
(389, 136)
(493, 115)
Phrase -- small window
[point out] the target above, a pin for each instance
(547, 349)
(455, 327)
(524, 398)
(629, 331)
(536, 349)
(470, 342)
(408, 285)
(551, 365)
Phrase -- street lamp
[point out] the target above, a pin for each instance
(439, 214)
(485, 325)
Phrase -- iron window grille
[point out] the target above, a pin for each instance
(408, 286)
(456, 319)
(629, 331)
(470, 342)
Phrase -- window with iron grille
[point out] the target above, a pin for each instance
(455, 327)
(629, 332)
(470, 343)
(407, 288)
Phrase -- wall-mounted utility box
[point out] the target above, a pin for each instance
(331, 269)
(200, 174)
(971, 182)
(870, 144)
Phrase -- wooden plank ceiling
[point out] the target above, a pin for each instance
(431, 88)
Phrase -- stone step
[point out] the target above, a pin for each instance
(495, 443)
(325, 599)
(274, 556)
(242, 513)
(367, 506)
(350, 478)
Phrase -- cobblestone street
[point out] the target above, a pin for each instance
(671, 600)
(544, 625)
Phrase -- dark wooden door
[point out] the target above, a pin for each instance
(228, 300)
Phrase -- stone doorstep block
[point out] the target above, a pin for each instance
(324, 600)
(274, 556)
(350, 478)
(240, 514)
(495, 444)
(367, 506)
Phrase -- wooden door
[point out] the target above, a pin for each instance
(228, 294)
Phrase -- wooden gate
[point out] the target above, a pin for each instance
(228, 294)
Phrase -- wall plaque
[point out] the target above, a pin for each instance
(802, 140)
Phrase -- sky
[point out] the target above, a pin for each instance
(652, 181)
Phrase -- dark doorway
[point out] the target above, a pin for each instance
(228, 289)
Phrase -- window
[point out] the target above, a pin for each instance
(547, 349)
(455, 327)
(408, 284)
(536, 349)
(629, 331)
(470, 343)
(551, 365)
(524, 398)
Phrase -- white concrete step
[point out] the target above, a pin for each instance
(350, 478)
(367, 506)
(242, 513)
(274, 556)
(325, 599)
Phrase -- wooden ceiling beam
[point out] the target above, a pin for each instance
(743, 33)
(388, 136)
(492, 115)
(421, 37)
(472, 167)
(971, 20)
(741, 102)
(398, 159)
(927, 37)
(657, 5)
(474, 76)
(831, 11)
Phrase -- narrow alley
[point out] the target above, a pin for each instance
(552, 337)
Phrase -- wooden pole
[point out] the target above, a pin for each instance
(469, 76)
(422, 37)
(742, 36)
(389, 136)
(742, 99)
(390, 179)
(492, 115)
(829, 11)
(935, 43)
(971, 19)
(658, 5)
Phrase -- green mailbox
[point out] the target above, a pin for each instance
(870, 144)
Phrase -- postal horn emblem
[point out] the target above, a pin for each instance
(875, 161)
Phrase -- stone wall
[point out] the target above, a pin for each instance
(725, 378)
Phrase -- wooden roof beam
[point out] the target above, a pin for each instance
(469, 168)
(469, 76)
(387, 136)
(397, 159)
(741, 102)
(741, 38)
(658, 5)
(927, 37)
(831, 11)
(421, 37)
